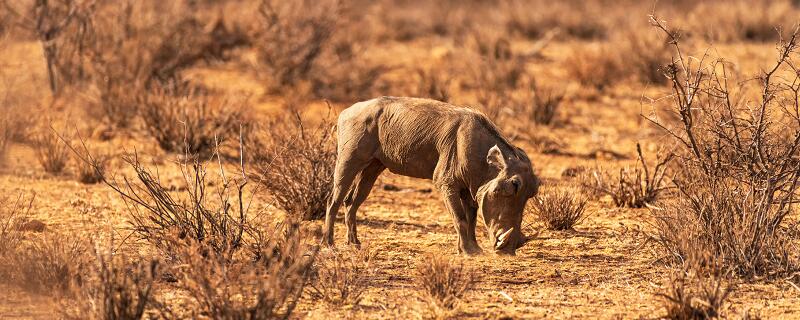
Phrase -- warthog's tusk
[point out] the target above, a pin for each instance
(502, 238)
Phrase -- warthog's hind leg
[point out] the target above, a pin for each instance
(345, 173)
(363, 185)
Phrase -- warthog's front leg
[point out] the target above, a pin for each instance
(472, 218)
(452, 201)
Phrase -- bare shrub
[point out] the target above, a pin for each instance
(51, 152)
(267, 288)
(538, 105)
(634, 187)
(572, 18)
(117, 105)
(5, 138)
(137, 45)
(292, 35)
(442, 282)
(347, 77)
(729, 21)
(47, 262)
(16, 125)
(50, 21)
(740, 155)
(92, 173)
(559, 209)
(596, 66)
(13, 212)
(434, 84)
(185, 119)
(341, 277)
(498, 74)
(218, 222)
(303, 44)
(122, 57)
(294, 161)
(644, 55)
(113, 288)
(691, 296)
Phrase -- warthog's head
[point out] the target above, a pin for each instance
(501, 200)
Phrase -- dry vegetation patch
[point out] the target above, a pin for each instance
(294, 160)
(187, 120)
(634, 187)
(739, 165)
(559, 209)
(268, 287)
(341, 277)
(49, 263)
(114, 287)
(690, 295)
(443, 282)
(51, 151)
(5, 138)
(738, 20)
(132, 65)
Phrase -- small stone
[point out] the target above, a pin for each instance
(32, 226)
(391, 187)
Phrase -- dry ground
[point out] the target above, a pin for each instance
(603, 269)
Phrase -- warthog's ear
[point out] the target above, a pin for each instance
(495, 158)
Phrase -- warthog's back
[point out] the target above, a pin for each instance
(411, 134)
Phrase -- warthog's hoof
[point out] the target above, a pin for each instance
(471, 251)
(354, 243)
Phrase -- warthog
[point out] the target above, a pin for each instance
(474, 167)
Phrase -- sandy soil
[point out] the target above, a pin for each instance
(601, 270)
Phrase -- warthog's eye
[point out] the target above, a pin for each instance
(516, 183)
(510, 187)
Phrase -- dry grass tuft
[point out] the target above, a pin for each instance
(539, 105)
(294, 161)
(114, 288)
(186, 120)
(713, 219)
(636, 187)
(267, 286)
(13, 213)
(341, 277)
(597, 66)
(559, 209)
(690, 296)
(645, 54)
(739, 20)
(5, 138)
(48, 262)
(496, 75)
(51, 151)
(570, 18)
(434, 84)
(291, 37)
(92, 173)
(443, 283)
